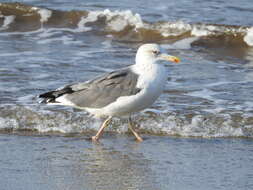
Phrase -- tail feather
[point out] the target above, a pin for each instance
(50, 97)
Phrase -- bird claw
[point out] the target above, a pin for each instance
(139, 139)
(94, 139)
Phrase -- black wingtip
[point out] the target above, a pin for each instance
(47, 97)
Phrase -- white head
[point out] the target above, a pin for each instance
(151, 54)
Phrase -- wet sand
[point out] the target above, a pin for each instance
(32, 161)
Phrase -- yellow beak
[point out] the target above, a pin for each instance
(169, 58)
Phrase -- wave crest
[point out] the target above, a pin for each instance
(19, 118)
(123, 24)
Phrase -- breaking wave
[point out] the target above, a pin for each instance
(17, 17)
(20, 118)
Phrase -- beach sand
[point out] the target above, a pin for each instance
(33, 162)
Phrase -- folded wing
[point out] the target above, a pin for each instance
(96, 93)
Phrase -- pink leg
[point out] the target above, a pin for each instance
(130, 125)
(100, 131)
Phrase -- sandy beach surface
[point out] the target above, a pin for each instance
(38, 162)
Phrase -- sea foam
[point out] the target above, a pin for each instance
(7, 21)
(45, 14)
(64, 121)
(115, 20)
(248, 38)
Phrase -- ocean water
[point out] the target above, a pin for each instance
(207, 102)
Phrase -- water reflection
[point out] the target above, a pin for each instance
(99, 166)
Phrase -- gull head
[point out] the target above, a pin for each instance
(152, 54)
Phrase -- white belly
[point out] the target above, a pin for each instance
(152, 84)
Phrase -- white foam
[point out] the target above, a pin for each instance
(200, 125)
(173, 28)
(115, 20)
(7, 21)
(118, 20)
(200, 31)
(8, 123)
(45, 14)
(248, 38)
(117, 24)
(91, 17)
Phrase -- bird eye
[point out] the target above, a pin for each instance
(155, 52)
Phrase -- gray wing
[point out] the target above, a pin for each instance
(98, 92)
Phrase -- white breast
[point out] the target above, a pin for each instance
(152, 80)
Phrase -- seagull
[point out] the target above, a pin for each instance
(120, 92)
